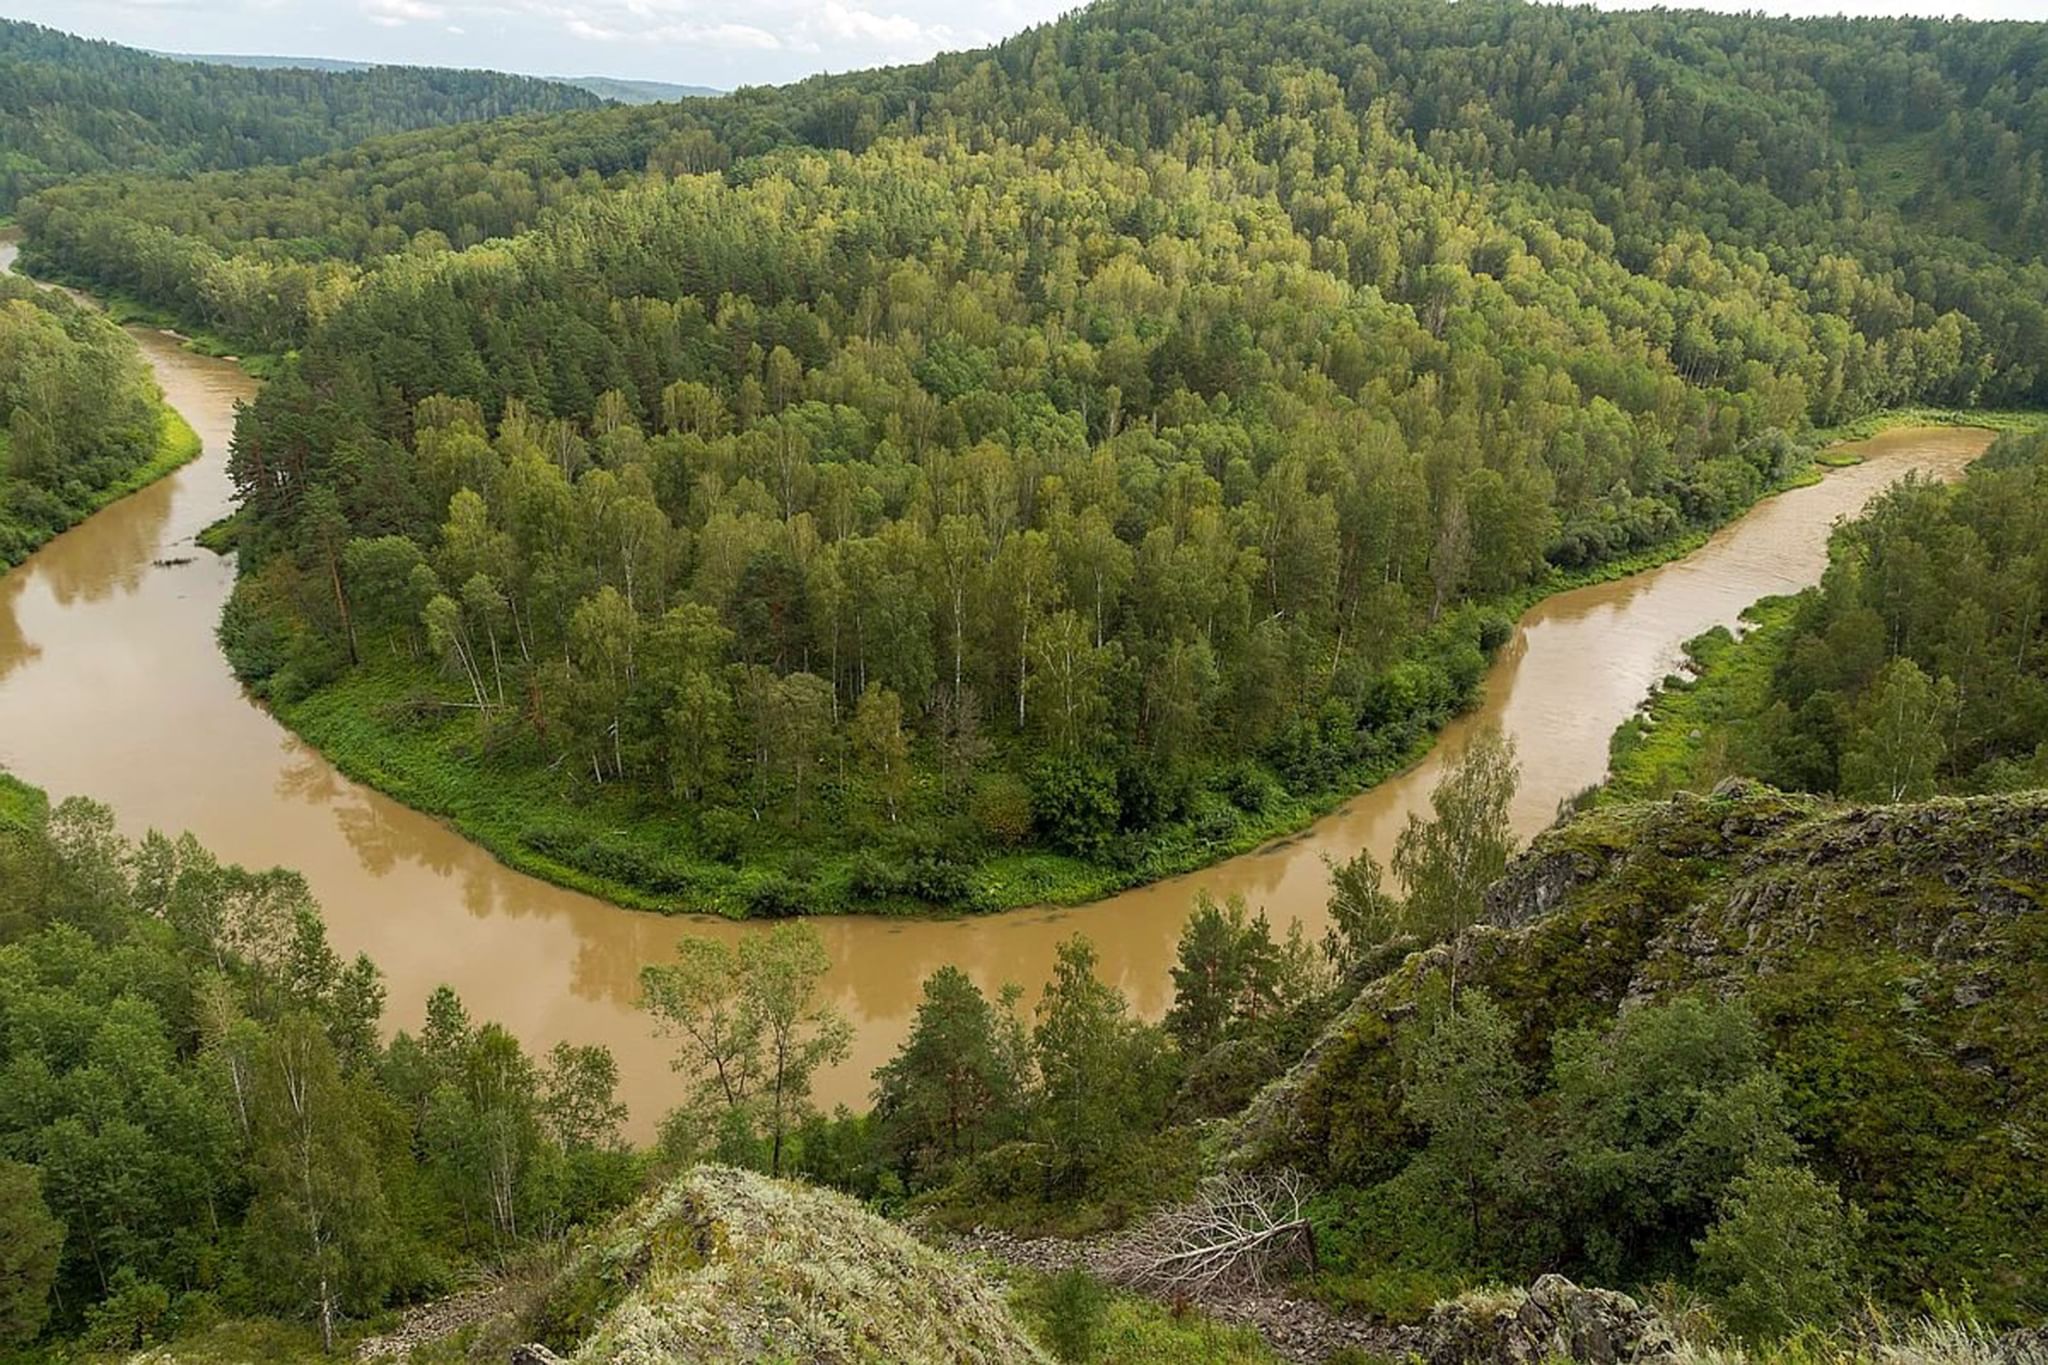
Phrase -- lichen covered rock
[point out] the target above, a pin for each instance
(726, 1265)
(1554, 1320)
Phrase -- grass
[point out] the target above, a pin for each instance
(1128, 1329)
(21, 805)
(1679, 740)
(620, 846)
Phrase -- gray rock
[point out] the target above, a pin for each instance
(533, 1353)
(1555, 1320)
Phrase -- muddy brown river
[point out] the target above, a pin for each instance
(111, 686)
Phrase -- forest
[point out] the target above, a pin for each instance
(1006, 497)
(81, 422)
(71, 106)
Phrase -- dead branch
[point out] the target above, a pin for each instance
(1239, 1229)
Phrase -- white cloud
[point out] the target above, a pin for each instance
(393, 13)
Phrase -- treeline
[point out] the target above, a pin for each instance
(71, 106)
(1888, 173)
(80, 416)
(1918, 666)
(198, 1117)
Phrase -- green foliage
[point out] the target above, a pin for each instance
(750, 1028)
(957, 1086)
(1781, 1253)
(1915, 668)
(1075, 1308)
(1250, 486)
(1799, 988)
(199, 1117)
(81, 423)
(1081, 1320)
(29, 1243)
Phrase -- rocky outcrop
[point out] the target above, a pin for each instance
(1896, 958)
(722, 1264)
(1554, 1320)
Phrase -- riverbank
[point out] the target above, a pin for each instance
(382, 725)
(177, 446)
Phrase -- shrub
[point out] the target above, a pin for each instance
(1779, 1257)
(1074, 803)
(1001, 808)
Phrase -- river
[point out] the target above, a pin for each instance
(111, 687)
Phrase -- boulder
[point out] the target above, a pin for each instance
(1554, 1320)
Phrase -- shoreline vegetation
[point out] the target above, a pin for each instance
(83, 423)
(1726, 713)
(495, 806)
(177, 446)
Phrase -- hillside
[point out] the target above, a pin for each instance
(1894, 961)
(72, 106)
(81, 420)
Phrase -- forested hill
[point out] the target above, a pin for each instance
(1058, 466)
(1893, 169)
(70, 106)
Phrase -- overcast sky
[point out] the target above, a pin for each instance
(695, 42)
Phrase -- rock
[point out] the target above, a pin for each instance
(1555, 1320)
(533, 1353)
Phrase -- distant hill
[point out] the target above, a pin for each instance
(638, 92)
(614, 88)
(71, 106)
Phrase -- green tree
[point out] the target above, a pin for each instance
(1446, 863)
(318, 1230)
(1901, 739)
(1781, 1255)
(952, 1089)
(1100, 1072)
(1464, 1085)
(1226, 973)
(30, 1241)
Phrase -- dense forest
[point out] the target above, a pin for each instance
(205, 1138)
(70, 106)
(80, 419)
(199, 1116)
(839, 497)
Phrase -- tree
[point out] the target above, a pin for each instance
(30, 1240)
(1903, 735)
(1226, 973)
(952, 1089)
(1100, 1072)
(318, 1228)
(1464, 1085)
(1657, 1114)
(877, 736)
(780, 972)
(578, 1096)
(1781, 1254)
(1362, 915)
(1446, 863)
(752, 1032)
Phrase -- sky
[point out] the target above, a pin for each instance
(722, 43)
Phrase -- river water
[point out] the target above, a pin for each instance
(111, 687)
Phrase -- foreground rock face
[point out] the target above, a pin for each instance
(1895, 957)
(726, 1265)
(1555, 1320)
